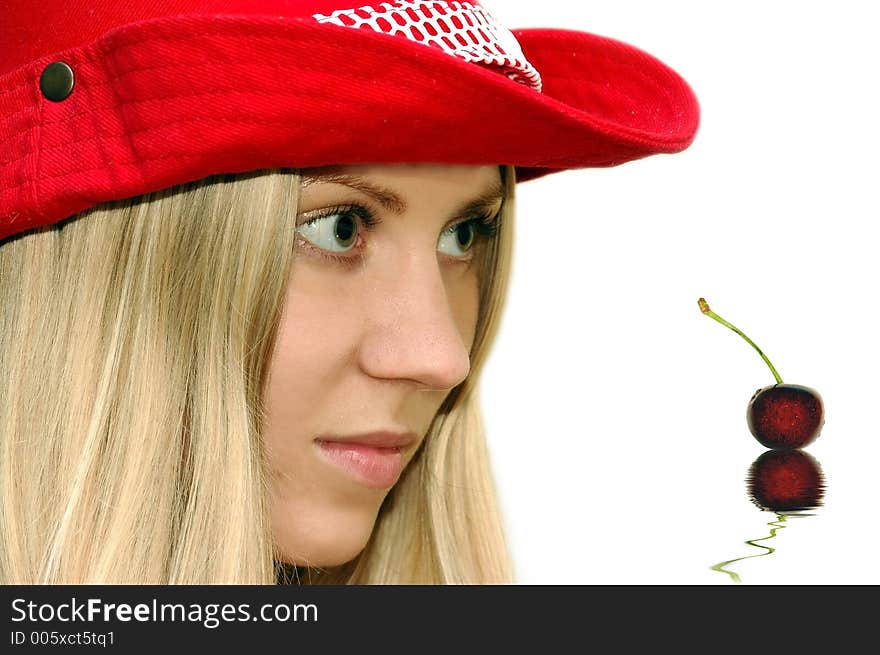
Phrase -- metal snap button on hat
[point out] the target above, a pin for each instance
(56, 82)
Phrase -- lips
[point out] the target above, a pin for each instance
(375, 459)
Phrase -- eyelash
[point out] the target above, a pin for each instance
(485, 226)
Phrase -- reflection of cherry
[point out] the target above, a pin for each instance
(785, 480)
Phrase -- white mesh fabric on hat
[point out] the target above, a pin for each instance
(458, 28)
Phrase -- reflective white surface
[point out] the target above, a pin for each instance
(615, 410)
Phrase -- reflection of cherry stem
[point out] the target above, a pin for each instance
(780, 519)
(704, 307)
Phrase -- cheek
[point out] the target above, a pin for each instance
(464, 301)
(311, 349)
(314, 334)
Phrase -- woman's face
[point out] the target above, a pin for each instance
(378, 322)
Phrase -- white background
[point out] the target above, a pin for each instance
(615, 410)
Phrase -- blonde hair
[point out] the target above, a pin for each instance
(135, 340)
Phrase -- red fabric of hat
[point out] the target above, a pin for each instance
(103, 100)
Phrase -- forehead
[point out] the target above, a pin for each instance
(469, 177)
(397, 187)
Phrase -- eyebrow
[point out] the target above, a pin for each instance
(397, 205)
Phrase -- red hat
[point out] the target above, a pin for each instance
(106, 100)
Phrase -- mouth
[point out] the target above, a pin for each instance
(374, 459)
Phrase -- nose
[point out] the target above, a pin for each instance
(410, 330)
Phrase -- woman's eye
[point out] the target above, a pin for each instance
(335, 232)
(456, 240)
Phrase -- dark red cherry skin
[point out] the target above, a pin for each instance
(786, 416)
(786, 480)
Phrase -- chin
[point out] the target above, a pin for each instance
(329, 540)
(324, 555)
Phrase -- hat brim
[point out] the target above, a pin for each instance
(175, 99)
(605, 101)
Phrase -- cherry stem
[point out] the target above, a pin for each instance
(704, 307)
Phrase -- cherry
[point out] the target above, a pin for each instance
(785, 416)
(786, 480)
(782, 416)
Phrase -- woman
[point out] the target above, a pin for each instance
(252, 263)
